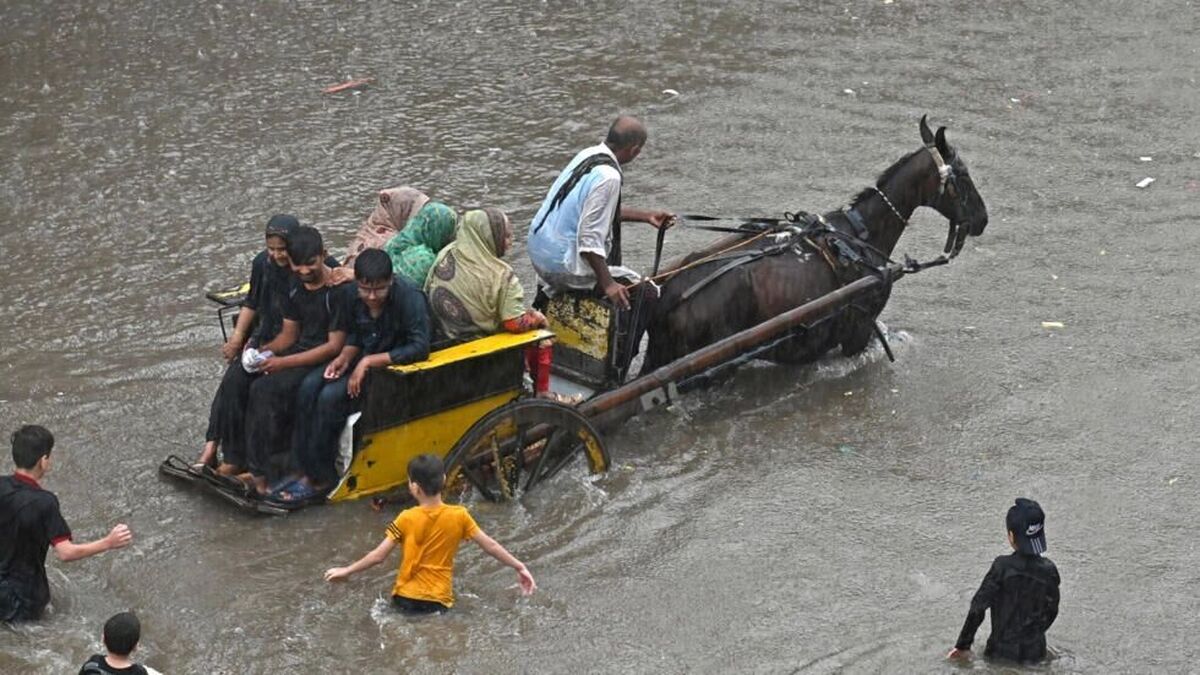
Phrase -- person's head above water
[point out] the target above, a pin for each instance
(428, 473)
(122, 633)
(625, 138)
(1026, 525)
(30, 445)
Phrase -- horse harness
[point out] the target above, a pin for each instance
(848, 253)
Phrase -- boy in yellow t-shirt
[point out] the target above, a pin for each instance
(430, 533)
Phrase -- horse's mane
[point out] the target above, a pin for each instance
(888, 174)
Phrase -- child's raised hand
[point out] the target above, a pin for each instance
(337, 574)
(525, 579)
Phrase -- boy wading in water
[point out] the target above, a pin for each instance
(121, 635)
(1021, 590)
(430, 533)
(31, 525)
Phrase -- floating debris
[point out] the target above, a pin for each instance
(1145, 158)
(1052, 324)
(1145, 182)
(670, 92)
(358, 84)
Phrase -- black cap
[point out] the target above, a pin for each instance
(281, 225)
(1028, 525)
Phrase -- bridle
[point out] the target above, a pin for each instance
(946, 176)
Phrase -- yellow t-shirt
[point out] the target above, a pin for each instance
(430, 537)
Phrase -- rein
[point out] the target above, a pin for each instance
(811, 225)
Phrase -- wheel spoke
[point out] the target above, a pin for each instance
(562, 461)
(519, 456)
(476, 478)
(500, 471)
(535, 476)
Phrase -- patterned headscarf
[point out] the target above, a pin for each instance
(416, 247)
(395, 206)
(472, 291)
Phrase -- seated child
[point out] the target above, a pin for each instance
(430, 533)
(1021, 590)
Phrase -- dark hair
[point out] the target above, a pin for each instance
(625, 132)
(121, 633)
(372, 265)
(282, 225)
(29, 444)
(428, 472)
(304, 244)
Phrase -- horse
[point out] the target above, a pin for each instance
(708, 298)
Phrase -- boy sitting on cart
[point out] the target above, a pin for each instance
(312, 334)
(386, 322)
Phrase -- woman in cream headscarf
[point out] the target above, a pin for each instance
(416, 247)
(396, 205)
(473, 292)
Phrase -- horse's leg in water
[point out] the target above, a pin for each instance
(854, 330)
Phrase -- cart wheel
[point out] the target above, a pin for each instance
(517, 446)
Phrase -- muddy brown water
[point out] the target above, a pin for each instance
(827, 518)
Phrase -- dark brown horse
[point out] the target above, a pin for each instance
(793, 265)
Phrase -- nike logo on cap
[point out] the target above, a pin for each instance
(1033, 529)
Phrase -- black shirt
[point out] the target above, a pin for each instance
(269, 287)
(319, 313)
(30, 523)
(1021, 590)
(97, 664)
(402, 329)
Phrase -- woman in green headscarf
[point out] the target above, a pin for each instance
(415, 248)
(473, 292)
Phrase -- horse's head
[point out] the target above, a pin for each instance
(954, 195)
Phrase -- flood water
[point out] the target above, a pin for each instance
(828, 518)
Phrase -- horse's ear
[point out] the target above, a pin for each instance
(926, 134)
(942, 146)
